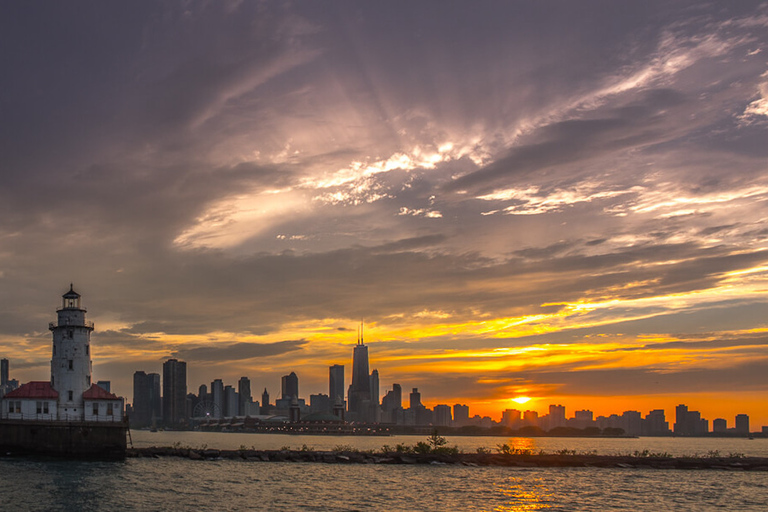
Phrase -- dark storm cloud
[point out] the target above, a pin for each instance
(237, 351)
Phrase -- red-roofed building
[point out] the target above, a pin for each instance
(101, 405)
(36, 400)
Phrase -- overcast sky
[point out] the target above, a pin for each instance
(562, 200)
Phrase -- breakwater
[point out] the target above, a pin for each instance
(540, 460)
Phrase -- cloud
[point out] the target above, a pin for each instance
(237, 351)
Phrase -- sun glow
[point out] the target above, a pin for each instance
(522, 399)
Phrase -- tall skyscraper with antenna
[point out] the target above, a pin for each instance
(359, 395)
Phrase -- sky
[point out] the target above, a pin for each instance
(561, 200)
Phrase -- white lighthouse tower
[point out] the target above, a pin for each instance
(71, 358)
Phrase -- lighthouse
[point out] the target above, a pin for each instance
(71, 356)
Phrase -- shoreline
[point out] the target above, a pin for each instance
(542, 460)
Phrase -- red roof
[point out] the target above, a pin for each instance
(34, 389)
(99, 393)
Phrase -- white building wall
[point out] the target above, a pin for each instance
(100, 410)
(26, 409)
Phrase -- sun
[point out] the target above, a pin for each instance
(521, 399)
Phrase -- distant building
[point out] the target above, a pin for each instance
(231, 402)
(290, 386)
(244, 396)
(174, 392)
(146, 399)
(320, 403)
(511, 418)
(217, 398)
(689, 423)
(359, 395)
(556, 416)
(655, 424)
(460, 415)
(719, 425)
(742, 424)
(336, 382)
(391, 404)
(105, 385)
(415, 399)
(442, 415)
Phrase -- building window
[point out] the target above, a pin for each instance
(45, 408)
(87, 350)
(71, 333)
(10, 406)
(109, 409)
(71, 364)
(71, 395)
(39, 408)
(95, 409)
(14, 406)
(88, 380)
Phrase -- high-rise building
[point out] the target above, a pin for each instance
(336, 382)
(689, 423)
(460, 415)
(290, 386)
(359, 396)
(742, 424)
(3, 372)
(719, 425)
(510, 418)
(230, 402)
(217, 398)
(655, 423)
(146, 399)
(265, 402)
(244, 395)
(415, 399)
(106, 385)
(442, 415)
(391, 403)
(174, 392)
(556, 416)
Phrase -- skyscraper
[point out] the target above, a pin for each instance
(336, 382)
(359, 395)
(217, 397)
(146, 399)
(244, 394)
(174, 392)
(290, 386)
(4, 372)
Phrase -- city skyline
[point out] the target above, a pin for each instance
(567, 204)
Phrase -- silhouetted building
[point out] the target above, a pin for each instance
(415, 399)
(265, 402)
(632, 423)
(511, 418)
(290, 386)
(442, 415)
(719, 425)
(460, 415)
(336, 382)
(105, 385)
(391, 404)
(689, 423)
(742, 424)
(146, 399)
(320, 403)
(556, 416)
(230, 402)
(174, 392)
(244, 396)
(4, 372)
(217, 398)
(359, 396)
(530, 419)
(655, 424)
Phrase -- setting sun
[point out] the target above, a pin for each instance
(521, 399)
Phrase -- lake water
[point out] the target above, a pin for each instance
(676, 446)
(181, 484)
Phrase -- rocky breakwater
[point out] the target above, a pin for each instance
(730, 463)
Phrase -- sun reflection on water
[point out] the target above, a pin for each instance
(524, 495)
